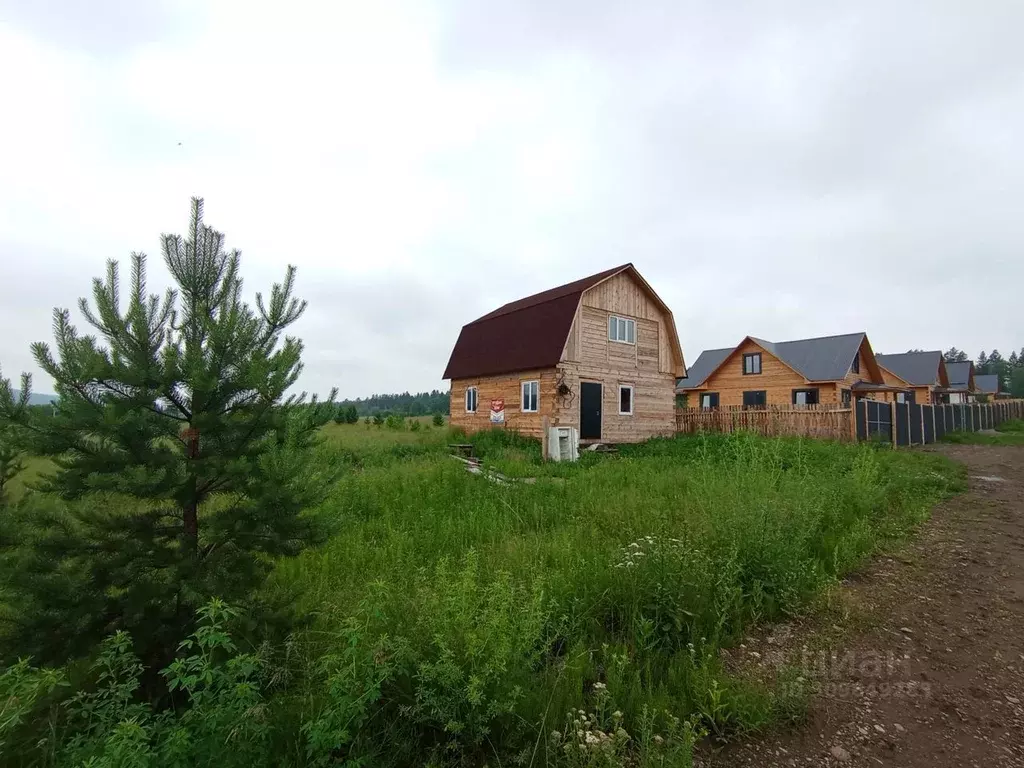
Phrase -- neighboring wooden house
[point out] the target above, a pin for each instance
(758, 373)
(961, 383)
(988, 384)
(922, 373)
(600, 354)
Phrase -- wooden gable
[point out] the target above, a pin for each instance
(625, 293)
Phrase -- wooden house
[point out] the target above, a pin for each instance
(987, 384)
(600, 354)
(923, 374)
(758, 373)
(962, 387)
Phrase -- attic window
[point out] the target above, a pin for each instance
(622, 329)
(855, 367)
(752, 363)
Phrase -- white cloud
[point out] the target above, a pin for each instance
(782, 172)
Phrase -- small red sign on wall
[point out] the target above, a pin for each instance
(498, 410)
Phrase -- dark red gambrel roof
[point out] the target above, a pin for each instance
(522, 335)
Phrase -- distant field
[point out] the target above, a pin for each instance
(34, 467)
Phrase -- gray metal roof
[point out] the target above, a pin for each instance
(987, 383)
(959, 374)
(918, 368)
(703, 366)
(823, 359)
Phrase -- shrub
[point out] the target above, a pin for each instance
(437, 420)
(222, 718)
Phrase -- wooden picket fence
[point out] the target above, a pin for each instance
(830, 422)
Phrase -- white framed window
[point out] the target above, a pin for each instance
(625, 399)
(471, 398)
(622, 329)
(531, 396)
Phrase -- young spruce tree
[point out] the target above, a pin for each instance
(183, 464)
(11, 462)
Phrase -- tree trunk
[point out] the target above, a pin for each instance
(190, 512)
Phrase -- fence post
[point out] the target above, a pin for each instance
(892, 422)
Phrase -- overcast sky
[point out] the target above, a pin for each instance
(783, 169)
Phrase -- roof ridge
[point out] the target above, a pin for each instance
(551, 294)
(823, 338)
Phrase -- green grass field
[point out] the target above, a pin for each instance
(1007, 433)
(573, 620)
(34, 468)
(501, 607)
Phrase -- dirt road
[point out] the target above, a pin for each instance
(937, 678)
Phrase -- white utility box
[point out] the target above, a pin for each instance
(563, 444)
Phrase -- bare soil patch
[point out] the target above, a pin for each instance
(933, 672)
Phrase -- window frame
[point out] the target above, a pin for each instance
(807, 390)
(476, 399)
(632, 402)
(764, 397)
(752, 356)
(845, 396)
(855, 365)
(523, 384)
(628, 323)
(712, 406)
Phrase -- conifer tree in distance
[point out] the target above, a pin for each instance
(183, 463)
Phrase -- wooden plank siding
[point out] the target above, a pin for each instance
(622, 295)
(922, 395)
(508, 387)
(646, 365)
(869, 371)
(777, 379)
(649, 366)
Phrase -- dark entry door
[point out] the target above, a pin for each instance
(590, 410)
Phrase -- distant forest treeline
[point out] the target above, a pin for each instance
(406, 404)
